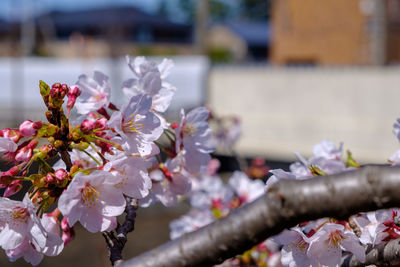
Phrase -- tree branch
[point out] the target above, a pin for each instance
(116, 243)
(382, 255)
(286, 204)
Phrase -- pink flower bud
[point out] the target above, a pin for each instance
(73, 93)
(68, 232)
(64, 224)
(24, 154)
(87, 126)
(63, 90)
(61, 174)
(12, 134)
(55, 90)
(14, 170)
(100, 124)
(29, 128)
(49, 178)
(13, 188)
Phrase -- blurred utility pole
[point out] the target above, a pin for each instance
(201, 25)
(27, 42)
(379, 33)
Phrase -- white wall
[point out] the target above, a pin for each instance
(19, 79)
(285, 110)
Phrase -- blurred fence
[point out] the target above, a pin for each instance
(19, 79)
(284, 110)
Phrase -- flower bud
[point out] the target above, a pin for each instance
(24, 154)
(86, 126)
(61, 174)
(68, 232)
(55, 90)
(49, 178)
(100, 124)
(12, 134)
(13, 188)
(29, 128)
(63, 90)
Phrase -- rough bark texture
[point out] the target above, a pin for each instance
(116, 243)
(286, 204)
(382, 255)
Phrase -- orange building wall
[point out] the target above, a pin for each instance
(320, 32)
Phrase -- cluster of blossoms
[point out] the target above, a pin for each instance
(107, 156)
(314, 243)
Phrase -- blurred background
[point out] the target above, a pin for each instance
(294, 72)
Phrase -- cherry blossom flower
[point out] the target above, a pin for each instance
(131, 172)
(149, 79)
(93, 200)
(395, 158)
(7, 145)
(190, 222)
(170, 181)
(211, 192)
(137, 125)
(194, 138)
(327, 149)
(20, 224)
(295, 246)
(327, 243)
(32, 254)
(246, 190)
(95, 92)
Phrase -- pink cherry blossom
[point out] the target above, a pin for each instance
(295, 246)
(32, 254)
(245, 189)
(327, 243)
(137, 125)
(131, 174)
(194, 139)
(149, 79)
(190, 222)
(20, 224)
(327, 149)
(169, 181)
(95, 92)
(93, 200)
(7, 145)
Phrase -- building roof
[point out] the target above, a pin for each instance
(99, 21)
(254, 33)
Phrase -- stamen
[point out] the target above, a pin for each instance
(89, 195)
(131, 125)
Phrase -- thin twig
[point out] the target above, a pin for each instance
(116, 243)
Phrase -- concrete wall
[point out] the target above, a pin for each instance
(19, 82)
(284, 110)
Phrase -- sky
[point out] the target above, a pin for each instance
(15, 9)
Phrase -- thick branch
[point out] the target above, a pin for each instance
(387, 254)
(286, 204)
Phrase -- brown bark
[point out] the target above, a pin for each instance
(286, 204)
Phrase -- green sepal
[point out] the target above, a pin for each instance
(44, 88)
(316, 171)
(351, 162)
